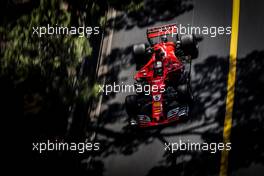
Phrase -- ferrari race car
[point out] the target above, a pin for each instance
(162, 65)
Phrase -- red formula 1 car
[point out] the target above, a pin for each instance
(162, 69)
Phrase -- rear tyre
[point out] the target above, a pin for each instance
(189, 45)
(139, 49)
(140, 55)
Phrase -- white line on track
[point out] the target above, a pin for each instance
(106, 50)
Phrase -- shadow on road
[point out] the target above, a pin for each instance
(148, 13)
(248, 118)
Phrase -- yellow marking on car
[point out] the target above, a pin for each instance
(156, 104)
(157, 111)
(230, 86)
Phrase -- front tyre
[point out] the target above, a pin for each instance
(185, 93)
(131, 108)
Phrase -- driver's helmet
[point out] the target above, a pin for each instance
(159, 55)
(158, 69)
(164, 38)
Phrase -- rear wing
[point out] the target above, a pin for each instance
(154, 32)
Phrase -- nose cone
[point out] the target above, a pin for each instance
(157, 109)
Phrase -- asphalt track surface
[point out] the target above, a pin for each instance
(129, 152)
